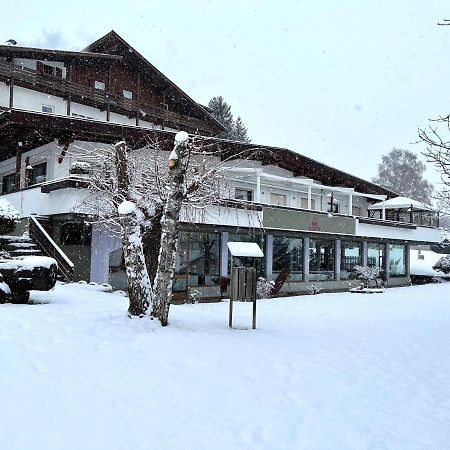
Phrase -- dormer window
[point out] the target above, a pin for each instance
(127, 94)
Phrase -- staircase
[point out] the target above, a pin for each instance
(37, 243)
(19, 246)
(48, 247)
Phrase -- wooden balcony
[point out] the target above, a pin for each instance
(103, 100)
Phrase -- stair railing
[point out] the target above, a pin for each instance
(48, 246)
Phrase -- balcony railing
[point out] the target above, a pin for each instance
(85, 94)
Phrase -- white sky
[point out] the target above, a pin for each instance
(341, 81)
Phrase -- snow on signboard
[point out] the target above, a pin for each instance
(250, 249)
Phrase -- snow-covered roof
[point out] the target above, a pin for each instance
(402, 203)
(245, 249)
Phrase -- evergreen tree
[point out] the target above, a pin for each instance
(236, 129)
(240, 131)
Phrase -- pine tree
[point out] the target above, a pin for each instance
(240, 131)
(236, 130)
(222, 112)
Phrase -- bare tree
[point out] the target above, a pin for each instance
(139, 192)
(437, 152)
(401, 172)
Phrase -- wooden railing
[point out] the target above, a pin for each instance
(48, 246)
(81, 93)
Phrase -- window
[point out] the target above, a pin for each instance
(375, 254)
(39, 173)
(397, 260)
(127, 94)
(48, 70)
(278, 199)
(321, 259)
(198, 260)
(243, 194)
(350, 257)
(48, 109)
(288, 257)
(8, 183)
(357, 211)
(100, 85)
(304, 203)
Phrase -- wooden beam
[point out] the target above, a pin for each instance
(69, 96)
(137, 97)
(11, 93)
(18, 167)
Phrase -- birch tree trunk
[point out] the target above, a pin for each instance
(139, 288)
(170, 225)
(140, 291)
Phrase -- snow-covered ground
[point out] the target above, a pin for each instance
(332, 371)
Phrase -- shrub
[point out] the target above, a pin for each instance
(8, 216)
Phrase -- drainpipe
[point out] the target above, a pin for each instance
(309, 198)
(350, 205)
(383, 210)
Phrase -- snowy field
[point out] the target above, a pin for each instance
(332, 371)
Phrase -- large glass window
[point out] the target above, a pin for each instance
(397, 260)
(198, 261)
(287, 257)
(375, 254)
(350, 257)
(321, 259)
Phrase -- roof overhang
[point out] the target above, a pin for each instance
(33, 129)
(13, 51)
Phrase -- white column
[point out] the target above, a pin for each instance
(337, 259)
(102, 245)
(306, 259)
(383, 210)
(258, 188)
(269, 256)
(386, 263)
(224, 255)
(350, 205)
(364, 255)
(309, 198)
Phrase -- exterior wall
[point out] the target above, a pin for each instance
(424, 234)
(33, 100)
(33, 201)
(4, 95)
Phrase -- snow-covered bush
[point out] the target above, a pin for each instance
(264, 287)
(194, 295)
(4, 254)
(443, 265)
(367, 273)
(315, 288)
(80, 168)
(8, 216)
